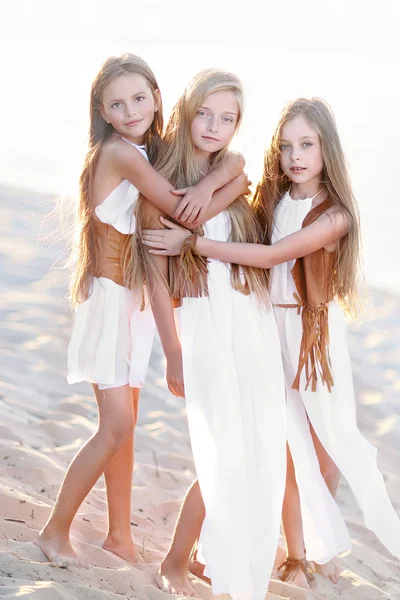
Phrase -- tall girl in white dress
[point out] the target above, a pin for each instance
(112, 337)
(305, 201)
(232, 370)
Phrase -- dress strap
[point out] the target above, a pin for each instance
(142, 147)
(317, 211)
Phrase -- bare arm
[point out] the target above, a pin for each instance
(328, 229)
(164, 317)
(130, 164)
(225, 172)
(225, 196)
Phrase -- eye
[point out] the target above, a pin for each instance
(227, 119)
(116, 105)
(284, 146)
(202, 113)
(140, 98)
(307, 144)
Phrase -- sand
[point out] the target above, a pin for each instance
(44, 421)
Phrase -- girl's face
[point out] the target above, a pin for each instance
(301, 154)
(129, 105)
(215, 122)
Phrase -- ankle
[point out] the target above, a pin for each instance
(119, 537)
(50, 532)
(175, 562)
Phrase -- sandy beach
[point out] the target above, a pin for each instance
(44, 421)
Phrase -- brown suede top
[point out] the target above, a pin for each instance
(313, 276)
(109, 245)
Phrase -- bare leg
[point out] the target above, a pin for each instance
(116, 422)
(172, 574)
(118, 476)
(328, 468)
(331, 474)
(292, 523)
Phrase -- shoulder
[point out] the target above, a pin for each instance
(339, 218)
(236, 158)
(335, 220)
(117, 150)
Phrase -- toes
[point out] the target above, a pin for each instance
(61, 563)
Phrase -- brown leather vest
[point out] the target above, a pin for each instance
(109, 245)
(313, 276)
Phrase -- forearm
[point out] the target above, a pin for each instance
(324, 231)
(223, 198)
(162, 309)
(251, 255)
(225, 171)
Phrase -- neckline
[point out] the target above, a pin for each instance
(141, 146)
(287, 196)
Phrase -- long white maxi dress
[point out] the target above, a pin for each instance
(236, 408)
(112, 338)
(333, 417)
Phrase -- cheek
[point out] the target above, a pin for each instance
(227, 135)
(319, 161)
(195, 129)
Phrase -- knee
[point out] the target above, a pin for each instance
(116, 434)
(291, 482)
(331, 475)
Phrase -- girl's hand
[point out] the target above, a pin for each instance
(243, 178)
(166, 242)
(174, 375)
(194, 203)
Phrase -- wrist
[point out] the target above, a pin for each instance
(207, 184)
(173, 352)
(173, 355)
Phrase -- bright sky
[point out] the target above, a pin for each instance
(347, 52)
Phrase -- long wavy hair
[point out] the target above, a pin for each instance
(335, 177)
(177, 163)
(86, 262)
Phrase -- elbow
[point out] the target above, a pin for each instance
(237, 161)
(241, 163)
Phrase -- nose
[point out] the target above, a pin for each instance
(213, 124)
(294, 154)
(130, 110)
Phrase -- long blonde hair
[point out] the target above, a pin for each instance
(335, 177)
(177, 163)
(86, 262)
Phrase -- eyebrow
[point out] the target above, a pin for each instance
(119, 99)
(304, 137)
(227, 112)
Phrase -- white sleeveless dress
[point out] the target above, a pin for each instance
(236, 410)
(333, 417)
(112, 338)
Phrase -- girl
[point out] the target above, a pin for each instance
(314, 252)
(233, 378)
(112, 338)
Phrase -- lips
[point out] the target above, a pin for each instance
(297, 169)
(212, 139)
(132, 123)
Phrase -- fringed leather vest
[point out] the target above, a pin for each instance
(313, 276)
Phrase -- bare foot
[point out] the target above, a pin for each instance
(300, 580)
(280, 554)
(197, 569)
(59, 550)
(124, 548)
(296, 572)
(174, 581)
(329, 570)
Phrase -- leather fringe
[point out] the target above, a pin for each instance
(189, 276)
(291, 566)
(314, 348)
